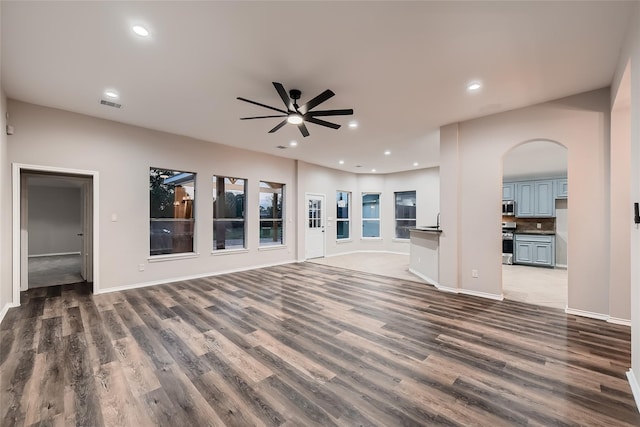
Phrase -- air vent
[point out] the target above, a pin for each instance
(110, 104)
(282, 147)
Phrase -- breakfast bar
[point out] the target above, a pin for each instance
(424, 253)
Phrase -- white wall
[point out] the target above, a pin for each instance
(562, 232)
(6, 295)
(631, 54)
(321, 180)
(122, 156)
(471, 160)
(54, 220)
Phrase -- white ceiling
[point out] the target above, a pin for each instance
(402, 66)
(549, 160)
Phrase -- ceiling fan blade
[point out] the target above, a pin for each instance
(262, 105)
(322, 123)
(262, 117)
(278, 126)
(283, 94)
(303, 129)
(345, 112)
(316, 101)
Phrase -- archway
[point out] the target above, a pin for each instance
(535, 223)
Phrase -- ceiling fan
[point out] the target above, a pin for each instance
(299, 114)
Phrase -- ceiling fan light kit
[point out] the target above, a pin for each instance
(299, 114)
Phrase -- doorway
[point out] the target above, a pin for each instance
(315, 235)
(535, 180)
(54, 232)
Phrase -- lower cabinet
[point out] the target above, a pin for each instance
(533, 249)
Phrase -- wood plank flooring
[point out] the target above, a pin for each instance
(306, 345)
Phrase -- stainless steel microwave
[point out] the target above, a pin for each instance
(508, 208)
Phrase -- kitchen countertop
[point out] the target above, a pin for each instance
(536, 232)
(428, 229)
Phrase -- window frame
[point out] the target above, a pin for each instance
(395, 212)
(214, 247)
(261, 244)
(190, 206)
(343, 220)
(378, 219)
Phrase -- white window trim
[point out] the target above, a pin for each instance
(285, 196)
(396, 219)
(172, 257)
(230, 251)
(363, 219)
(348, 219)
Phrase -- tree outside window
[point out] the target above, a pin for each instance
(171, 213)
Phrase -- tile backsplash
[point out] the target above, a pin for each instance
(530, 224)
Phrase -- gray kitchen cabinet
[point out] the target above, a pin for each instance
(533, 249)
(561, 188)
(509, 191)
(535, 199)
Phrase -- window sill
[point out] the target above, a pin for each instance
(172, 257)
(272, 248)
(229, 251)
(370, 238)
(400, 240)
(338, 241)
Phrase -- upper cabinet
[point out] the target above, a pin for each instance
(561, 188)
(535, 199)
(508, 191)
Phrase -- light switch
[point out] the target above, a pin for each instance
(114, 217)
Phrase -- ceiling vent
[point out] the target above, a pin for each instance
(282, 147)
(110, 104)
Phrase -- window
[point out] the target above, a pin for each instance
(271, 203)
(405, 213)
(172, 223)
(228, 213)
(342, 215)
(370, 215)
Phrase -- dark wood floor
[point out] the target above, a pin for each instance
(302, 345)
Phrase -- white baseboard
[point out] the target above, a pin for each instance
(54, 254)
(181, 278)
(4, 310)
(618, 321)
(426, 278)
(584, 313)
(635, 387)
(496, 297)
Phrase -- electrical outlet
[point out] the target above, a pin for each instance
(539, 226)
(140, 267)
(474, 273)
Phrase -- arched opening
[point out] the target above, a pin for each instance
(535, 224)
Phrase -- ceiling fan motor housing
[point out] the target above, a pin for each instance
(294, 94)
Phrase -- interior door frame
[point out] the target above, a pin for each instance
(17, 197)
(323, 209)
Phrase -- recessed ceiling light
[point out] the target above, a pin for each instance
(373, 170)
(415, 163)
(111, 94)
(386, 153)
(473, 86)
(341, 162)
(353, 124)
(140, 30)
(293, 143)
